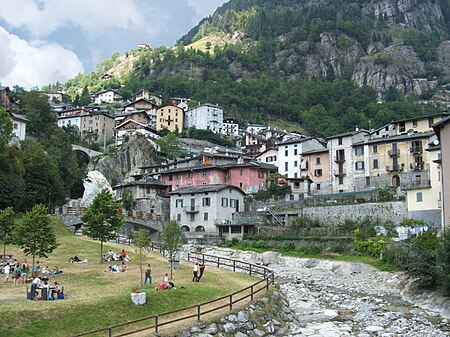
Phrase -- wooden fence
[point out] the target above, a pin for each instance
(155, 322)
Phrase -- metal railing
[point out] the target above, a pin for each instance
(199, 310)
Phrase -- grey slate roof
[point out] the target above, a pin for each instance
(203, 189)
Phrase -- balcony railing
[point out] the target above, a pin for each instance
(224, 222)
(394, 153)
(394, 168)
(417, 166)
(416, 149)
(340, 173)
(191, 209)
(414, 185)
(339, 159)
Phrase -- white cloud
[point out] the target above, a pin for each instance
(42, 17)
(204, 8)
(36, 63)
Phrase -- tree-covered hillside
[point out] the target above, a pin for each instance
(325, 65)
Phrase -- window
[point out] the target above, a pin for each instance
(414, 122)
(241, 171)
(296, 184)
(295, 163)
(375, 149)
(204, 173)
(340, 141)
(206, 202)
(295, 152)
(189, 174)
(318, 173)
(179, 203)
(177, 176)
(419, 196)
(16, 126)
(375, 163)
(286, 153)
(170, 177)
(233, 203)
(401, 127)
(286, 165)
(318, 187)
(192, 217)
(224, 202)
(178, 217)
(205, 216)
(341, 180)
(367, 181)
(359, 151)
(317, 160)
(291, 197)
(295, 175)
(359, 165)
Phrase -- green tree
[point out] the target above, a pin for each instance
(5, 130)
(73, 132)
(35, 234)
(102, 218)
(444, 263)
(172, 240)
(6, 226)
(127, 200)
(142, 242)
(85, 98)
(35, 106)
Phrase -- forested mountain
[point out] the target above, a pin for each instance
(323, 65)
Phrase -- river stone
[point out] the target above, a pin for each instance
(312, 263)
(211, 329)
(229, 328)
(259, 333)
(271, 258)
(196, 329)
(242, 316)
(204, 335)
(374, 328)
(232, 318)
(240, 334)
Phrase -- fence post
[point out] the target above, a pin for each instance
(156, 324)
(218, 262)
(251, 289)
(203, 258)
(110, 331)
(198, 312)
(231, 302)
(234, 265)
(267, 283)
(189, 257)
(250, 270)
(264, 272)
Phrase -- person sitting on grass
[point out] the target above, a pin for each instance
(56, 290)
(164, 284)
(114, 268)
(123, 267)
(45, 271)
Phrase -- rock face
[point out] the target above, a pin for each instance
(94, 183)
(119, 167)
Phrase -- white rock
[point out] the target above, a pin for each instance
(93, 184)
(374, 328)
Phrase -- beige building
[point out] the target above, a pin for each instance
(442, 129)
(97, 126)
(419, 124)
(169, 117)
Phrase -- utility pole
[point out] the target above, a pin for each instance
(104, 140)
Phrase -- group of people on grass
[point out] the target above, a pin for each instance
(18, 272)
(112, 256)
(116, 268)
(52, 292)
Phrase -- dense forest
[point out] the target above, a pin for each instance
(261, 70)
(43, 169)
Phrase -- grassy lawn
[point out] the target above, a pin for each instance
(96, 298)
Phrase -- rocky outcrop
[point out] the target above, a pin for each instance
(93, 184)
(121, 166)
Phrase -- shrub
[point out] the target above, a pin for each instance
(287, 246)
(260, 244)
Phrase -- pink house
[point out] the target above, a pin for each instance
(249, 177)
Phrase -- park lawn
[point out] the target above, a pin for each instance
(96, 298)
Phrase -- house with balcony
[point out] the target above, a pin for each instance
(342, 160)
(418, 124)
(148, 96)
(291, 162)
(424, 193)
(169, 117)
(132, 128)
(107, 96)
(442, 129)
(205, 117)
(315, 166)
(97, 126)
(207, 210)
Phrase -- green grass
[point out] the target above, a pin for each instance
(96, 298)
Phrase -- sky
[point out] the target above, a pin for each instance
(44, 41)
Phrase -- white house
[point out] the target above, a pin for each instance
(203, 209)
(290, 160)
(19, 125)
(108, 96)
(230, 127)
(132, 128)
(255, 128)
(70, 117)
(205, 117)
(269, 156)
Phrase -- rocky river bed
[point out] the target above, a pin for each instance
(334, 298)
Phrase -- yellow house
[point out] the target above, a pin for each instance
(169, 117)
(418, 124)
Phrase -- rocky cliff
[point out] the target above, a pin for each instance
(121, 166)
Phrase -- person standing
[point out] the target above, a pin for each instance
(36, 269)
(202, 270)
(148, 274)
(6, 272)
(195, 278)
(16, 275)
(24, 272)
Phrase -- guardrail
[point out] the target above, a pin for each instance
(199, 310)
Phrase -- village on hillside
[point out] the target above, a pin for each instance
(205, 191)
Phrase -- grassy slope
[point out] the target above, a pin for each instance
(96, 299)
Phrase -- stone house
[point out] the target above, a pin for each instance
(180, 102)
(204, 209)
(19, 123)
(269, 156)
(132, 128)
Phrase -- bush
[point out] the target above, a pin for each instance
(287, 246)
(260, 244)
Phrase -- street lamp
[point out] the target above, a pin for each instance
(49, 200)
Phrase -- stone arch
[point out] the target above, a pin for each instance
(185, 228)
(199, 229)
(395, 181)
